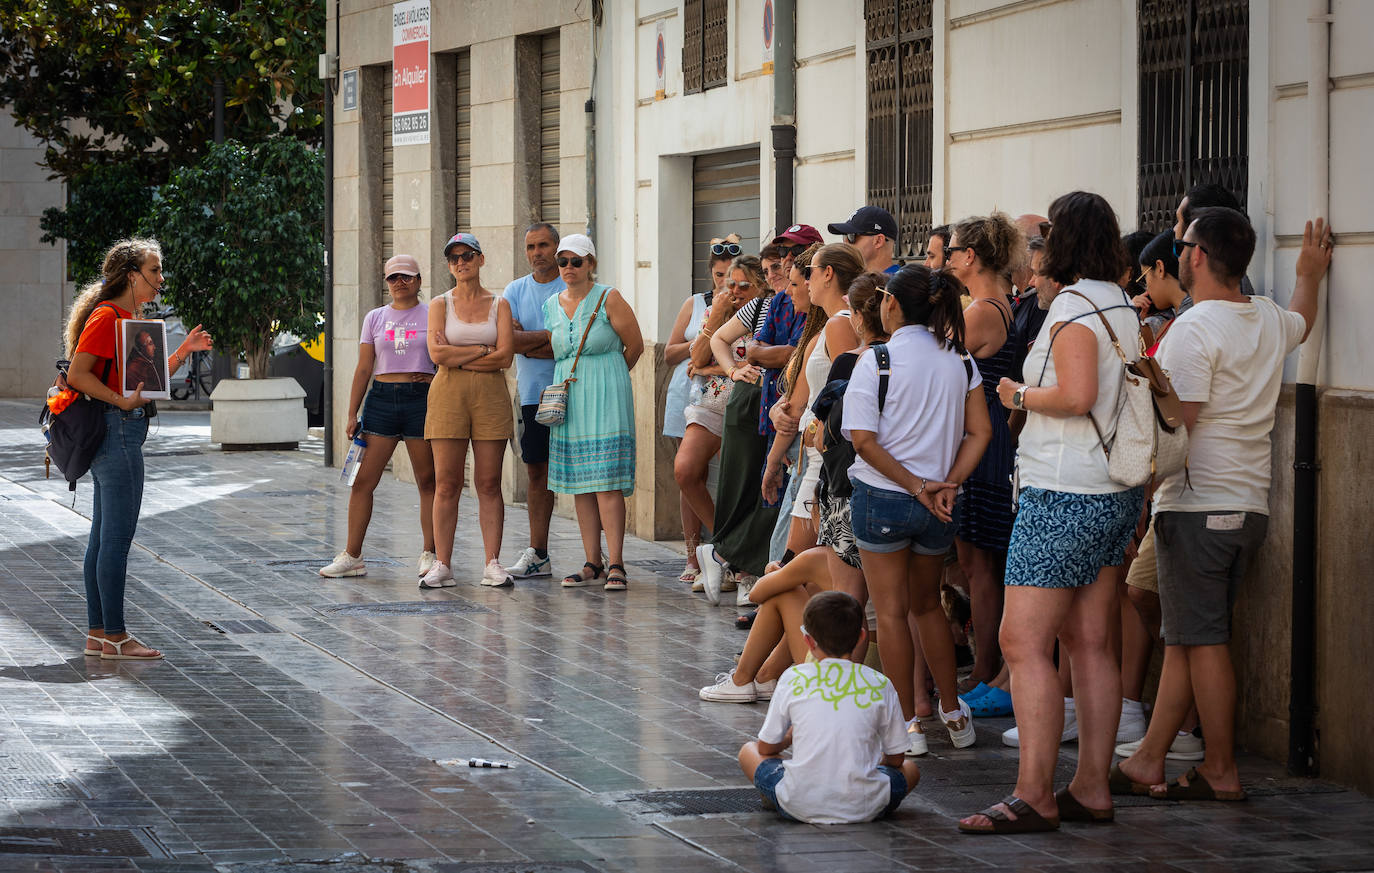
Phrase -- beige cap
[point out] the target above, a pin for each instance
(403, 264)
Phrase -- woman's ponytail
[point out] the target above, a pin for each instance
(930, 298)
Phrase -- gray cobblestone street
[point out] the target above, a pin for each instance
(299, 720)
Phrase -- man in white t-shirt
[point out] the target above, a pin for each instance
(533, 373)
(1225, 358)
(843, 722)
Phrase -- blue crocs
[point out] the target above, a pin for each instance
(974, 693)
(994, 703)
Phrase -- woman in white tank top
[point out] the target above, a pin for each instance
(472, 342)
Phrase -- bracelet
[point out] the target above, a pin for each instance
(921, 490)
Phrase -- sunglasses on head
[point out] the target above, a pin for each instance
(461, 257)
(725, 248)
(399, 277)
(570, 262)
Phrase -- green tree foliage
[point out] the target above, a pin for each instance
(243, 244)
(105, 204)
(132, 83)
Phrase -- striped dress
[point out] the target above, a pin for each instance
(594, 449)
(985, 514)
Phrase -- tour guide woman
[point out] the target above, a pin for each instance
(592, 454)
(130, 277)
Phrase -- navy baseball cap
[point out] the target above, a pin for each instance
(866, 221)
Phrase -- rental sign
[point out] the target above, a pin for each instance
(410, 73)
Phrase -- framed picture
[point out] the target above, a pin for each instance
(143, 357)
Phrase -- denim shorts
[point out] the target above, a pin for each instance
(889, 521)
(396, 410)
(770, 772)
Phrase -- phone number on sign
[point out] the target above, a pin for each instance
(418, 123)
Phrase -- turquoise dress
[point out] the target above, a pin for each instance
(594, 449)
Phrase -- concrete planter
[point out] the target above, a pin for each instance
(247, 414)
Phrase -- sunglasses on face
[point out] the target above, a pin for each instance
(792, 251)
(725, 248)
(398, 277)
(570, 262)
(852, 238)
(806, 271)
(461, 257)
(1138, 284)
(949, 249)
(1182, 245)
(743, 286)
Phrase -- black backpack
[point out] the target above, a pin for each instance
(74, 436)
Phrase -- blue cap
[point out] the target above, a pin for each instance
(465, 239)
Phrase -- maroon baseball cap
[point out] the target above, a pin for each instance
(799, 234)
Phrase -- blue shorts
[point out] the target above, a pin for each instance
(770, 772)
(534, 437)
(1063, 540)
(889, 521)
(396, 410)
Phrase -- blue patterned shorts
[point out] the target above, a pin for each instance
(1063, 540)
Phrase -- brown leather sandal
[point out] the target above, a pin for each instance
(1027, 820)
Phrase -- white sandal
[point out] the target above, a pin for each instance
(119, 651)
(99, 647)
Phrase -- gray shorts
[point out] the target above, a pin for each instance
(1202, 558)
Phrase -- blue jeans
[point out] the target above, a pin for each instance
(890, 521)
(118, 473)
(770, 772)
(777, 544)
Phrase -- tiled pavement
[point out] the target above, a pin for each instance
(342, 736)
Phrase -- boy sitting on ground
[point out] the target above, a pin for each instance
(844, 723)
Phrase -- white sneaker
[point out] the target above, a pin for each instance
(495, 576)
(712, 573)
(765, 689)
(424, 564)
(726, 691)
(343, 565)
(439, 576)
(531, 565)
(961, 732)
(1133, 723)
(917, 737)
(1011, 737)
(742, 591)
(1185, 747)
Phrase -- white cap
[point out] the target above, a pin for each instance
(578, 244)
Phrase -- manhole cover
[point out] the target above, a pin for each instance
(519, 867)
(700, 801)
(1275, 787)
(174, 453)
(248, 626)
(84, 842)
(298, 492)
(406, 607)
(316, 562)
(34, 775)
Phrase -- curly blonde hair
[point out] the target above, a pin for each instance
(124, 257)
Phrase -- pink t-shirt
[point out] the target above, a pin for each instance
(398, 338)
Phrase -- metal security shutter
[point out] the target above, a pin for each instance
(462, 177)
(388, 172)
(725, 199)
(548, 128)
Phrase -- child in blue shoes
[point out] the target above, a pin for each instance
(843, 722)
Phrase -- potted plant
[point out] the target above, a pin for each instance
(243, 245)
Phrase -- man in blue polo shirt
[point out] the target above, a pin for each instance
(873, 231)
(534, 373)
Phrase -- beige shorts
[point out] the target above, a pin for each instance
(466, 405)
(1144, 573)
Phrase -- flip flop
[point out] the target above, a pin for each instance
(995, 703)
(1027, 820)
(1071, 810)
(1198, 788)
(689, 575)
(1122, 785)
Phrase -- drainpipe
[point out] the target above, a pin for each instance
(589, 108)
(784, 111)
(327, 401)
(1302, 702)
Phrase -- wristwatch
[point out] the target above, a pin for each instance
(1018, 400)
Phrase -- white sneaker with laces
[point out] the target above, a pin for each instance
(1185, 747)
(917, 738)
(712, 574)
(1011, 737)
(439, 576)
(742, 592)
(726, 691)
(424, 564)
(343, 565)
(531, 565)
(960, 727)
(765, 689)
(1133, 723)
(495, 576)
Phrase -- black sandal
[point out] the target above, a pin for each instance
(1070, 809)
(746, 621)
(615, 578)
(577, 580)
(1027, 820)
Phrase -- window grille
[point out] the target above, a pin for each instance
(900, 45)
(705, 44)
(1194, 118)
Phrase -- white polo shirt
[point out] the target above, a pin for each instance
(922, 422)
